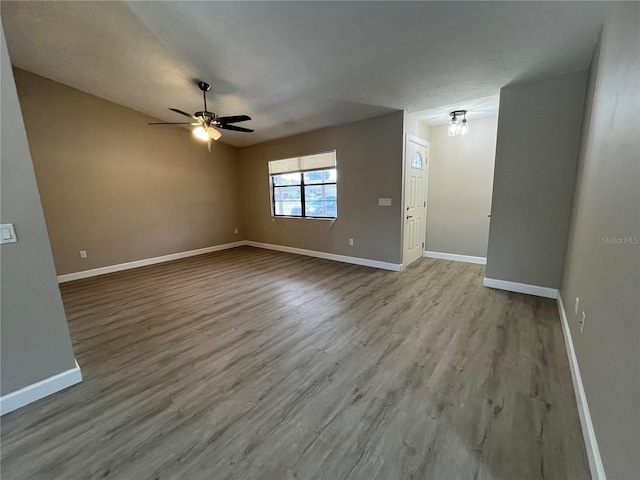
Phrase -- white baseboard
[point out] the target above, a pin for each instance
(396, 267)
(591, 445)
(41, 389)
(521, 288)
(456, 258)
(143, 263)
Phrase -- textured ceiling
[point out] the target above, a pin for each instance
(298, 66)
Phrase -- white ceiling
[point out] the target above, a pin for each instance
(298, 66)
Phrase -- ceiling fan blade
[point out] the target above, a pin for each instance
(170, 123)
(233, 127)
(233, 119)
(184, 113)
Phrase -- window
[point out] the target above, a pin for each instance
(416, 161)
(304, 186)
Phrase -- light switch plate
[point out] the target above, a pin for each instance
(384, 202)
(7, 233)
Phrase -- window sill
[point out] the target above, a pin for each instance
(304, 218)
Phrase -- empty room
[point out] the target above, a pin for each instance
(320, 240)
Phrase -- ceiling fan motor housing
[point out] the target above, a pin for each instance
(207, 116)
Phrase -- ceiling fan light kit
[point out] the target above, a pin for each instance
(207, 123)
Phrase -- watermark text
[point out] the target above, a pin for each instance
(621, 240)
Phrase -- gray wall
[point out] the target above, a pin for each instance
(460, 184)
(118, 188)
(539, 126)
(35, 342)
(603, 274)
(369, 158)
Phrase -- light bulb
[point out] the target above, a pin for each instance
(200, 133)
(464, 128)
(453, 128)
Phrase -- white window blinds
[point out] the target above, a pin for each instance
(318, 161)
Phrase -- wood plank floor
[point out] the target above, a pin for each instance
(251, 363)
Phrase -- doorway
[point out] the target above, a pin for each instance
(416, 168)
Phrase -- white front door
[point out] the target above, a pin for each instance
(415, 198)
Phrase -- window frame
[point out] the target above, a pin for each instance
(302, 186)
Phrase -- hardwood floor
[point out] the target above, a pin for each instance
(252, 363)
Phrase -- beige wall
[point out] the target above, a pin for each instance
(539, 128)
(35, 343)
(460, 183)
(118, 188)
(606, 275)
(414, 126)
(369, 158)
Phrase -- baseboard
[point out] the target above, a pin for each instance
(521, 288)
(591, 445)
(41, 389)
(456, 258)
(396, 267)
(143, 263)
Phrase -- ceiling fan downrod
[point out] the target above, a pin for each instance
(205, 87)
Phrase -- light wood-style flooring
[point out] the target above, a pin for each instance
(257, 364)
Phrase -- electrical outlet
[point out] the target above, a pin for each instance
(7, 233)
(582, 322)
(83, 254)
(575, 309)
(236, 231)
(351, 242)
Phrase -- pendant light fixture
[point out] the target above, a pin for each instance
(458, 127)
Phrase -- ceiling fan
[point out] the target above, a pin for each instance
(207, 122)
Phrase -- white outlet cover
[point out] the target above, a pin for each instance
(8, 233)
(575, 309)
(384, 202)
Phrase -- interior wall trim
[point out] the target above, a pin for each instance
(521, 288)
(31, 393)
(396, 267)
(590, 443)
(69, 277)
(455, 257)
(144, 262)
